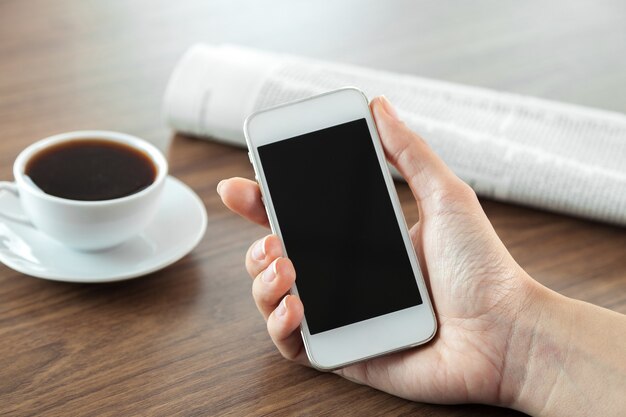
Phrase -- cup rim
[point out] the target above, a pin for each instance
(135, 142)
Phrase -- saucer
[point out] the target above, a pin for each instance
(177, 228)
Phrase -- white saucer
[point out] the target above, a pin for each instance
(176, 229)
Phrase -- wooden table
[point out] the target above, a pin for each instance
(187, 340)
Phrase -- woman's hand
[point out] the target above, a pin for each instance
(487, 306)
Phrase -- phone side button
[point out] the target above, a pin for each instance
(250, 158)
(262, 198)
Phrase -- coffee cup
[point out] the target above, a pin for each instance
(63, 195)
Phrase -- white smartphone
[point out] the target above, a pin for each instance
(331, 200)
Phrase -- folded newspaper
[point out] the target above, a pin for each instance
(555, 156)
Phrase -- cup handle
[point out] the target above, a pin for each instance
(19, 218)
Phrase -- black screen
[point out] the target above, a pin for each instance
(338, 226)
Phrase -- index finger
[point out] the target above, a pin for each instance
(243, 197)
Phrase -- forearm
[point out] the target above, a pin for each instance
(566, 357)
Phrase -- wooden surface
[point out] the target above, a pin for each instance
(188, 340)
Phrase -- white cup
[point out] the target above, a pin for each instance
(86, 225)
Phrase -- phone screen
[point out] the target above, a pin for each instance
(338, 226)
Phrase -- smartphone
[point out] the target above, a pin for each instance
(330, 198)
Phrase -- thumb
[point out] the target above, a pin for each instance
(423, 170)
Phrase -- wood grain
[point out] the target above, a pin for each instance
(187, 340)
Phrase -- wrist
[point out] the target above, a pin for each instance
(537, 344)
(564, 357)
(526, 323)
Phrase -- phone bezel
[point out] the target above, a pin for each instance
(398, 330)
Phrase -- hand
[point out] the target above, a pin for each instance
(481, 351)
(475, 284)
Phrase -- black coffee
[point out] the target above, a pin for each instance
(91, 170)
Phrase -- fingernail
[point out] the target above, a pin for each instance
(281, 310)
(219, 185)
(258, 251)
(389, 109)
(270, 273)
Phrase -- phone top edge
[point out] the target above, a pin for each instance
(254, 114)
